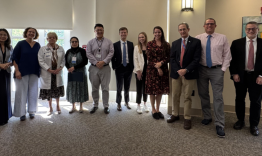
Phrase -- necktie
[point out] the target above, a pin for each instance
(182, 53)
(208, 53)
(250, 63)
(124, 54)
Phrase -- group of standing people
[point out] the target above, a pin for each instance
(200, 60)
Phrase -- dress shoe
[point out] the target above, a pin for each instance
(254, 130)
(206, 121)
(32, 116)
(119, 108)
(161, 116)
(172, 118)
(239, 125)
(22, 118)
(93, 110)
(155, 115)
(72, 111)
(106, 110)
(127, 106)
(187, 124)
(3, 123)
(220, 131)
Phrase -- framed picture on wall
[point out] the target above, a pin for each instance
(247, 19)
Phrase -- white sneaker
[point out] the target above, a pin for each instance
(146, 109)
(139, 110)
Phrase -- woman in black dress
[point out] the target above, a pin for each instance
(6, 51)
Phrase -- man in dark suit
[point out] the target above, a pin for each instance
(123, 65)
(246, 72)
(184, 62)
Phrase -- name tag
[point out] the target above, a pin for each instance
(47, 55)
(98, 55)
(73, 60)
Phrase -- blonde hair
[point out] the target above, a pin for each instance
(52, 34)
(139, 43)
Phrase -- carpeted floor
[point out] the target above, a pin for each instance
(120, 133)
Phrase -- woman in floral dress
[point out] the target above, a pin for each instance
(157, 75)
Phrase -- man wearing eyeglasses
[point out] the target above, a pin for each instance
(215, 59)
(246, 72)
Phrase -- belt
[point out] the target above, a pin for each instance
(104, 64)
(217, 66)
(249, 72)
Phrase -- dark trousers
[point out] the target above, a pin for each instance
(123, 75)
(248, 84)
(140, 89)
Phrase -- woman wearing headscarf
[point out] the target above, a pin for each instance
(76, 60)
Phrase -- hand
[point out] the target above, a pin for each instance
(51, 71)
(139, 75)
(6, 65)
(160, 72)
(182, 72)
(71, 69)
(1, 66)
(57, 71)
(236, 78)
(158, 65)
(18, 74)
(100, 64)
(259, 80)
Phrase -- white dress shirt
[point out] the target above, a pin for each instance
(186, 39)
(247, 51)
(122, 45)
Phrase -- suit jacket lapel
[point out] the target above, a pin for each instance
(119, 49)
(129, 50)
(243, 47)
(188, 44)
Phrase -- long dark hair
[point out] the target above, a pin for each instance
(163, 40)
(8, 41)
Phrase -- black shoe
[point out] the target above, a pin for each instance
(239, 125)
(93, 110)
(161, 116)
(22, 118)
(206, 121)
(155, 116)
(254, 130)
(3, 123)
(220, 132)
(32, 116)
(106, 110)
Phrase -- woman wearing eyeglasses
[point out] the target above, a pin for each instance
(6, 51)
(52, 61)
(77, 89)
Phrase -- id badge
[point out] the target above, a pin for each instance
(98, 55)
(73, 60)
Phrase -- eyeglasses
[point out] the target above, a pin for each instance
(74, 41)
(249, 29)
(210, 24)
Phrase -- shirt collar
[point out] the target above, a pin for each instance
(123, 41)
(254, 39)
(185, 38)
(100, 40)
(213, 35)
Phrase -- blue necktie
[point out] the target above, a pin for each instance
(208, 53)
(124, 54)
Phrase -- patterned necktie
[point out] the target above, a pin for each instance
(250, 63)
(208, 53)
(124, 54)
(182, 53)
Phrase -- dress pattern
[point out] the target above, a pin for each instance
(77, 91)
(156, 84)
(54, 92)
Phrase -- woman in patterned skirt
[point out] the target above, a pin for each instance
(76, 61)
(52, 60)
(157, 75)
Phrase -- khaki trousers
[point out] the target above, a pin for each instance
(187, 86)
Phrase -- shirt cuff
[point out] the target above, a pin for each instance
(259, 75)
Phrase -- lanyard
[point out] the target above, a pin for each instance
(183, 44)
(99, 46)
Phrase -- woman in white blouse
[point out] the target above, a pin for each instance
(140, 65)
(52, 60)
